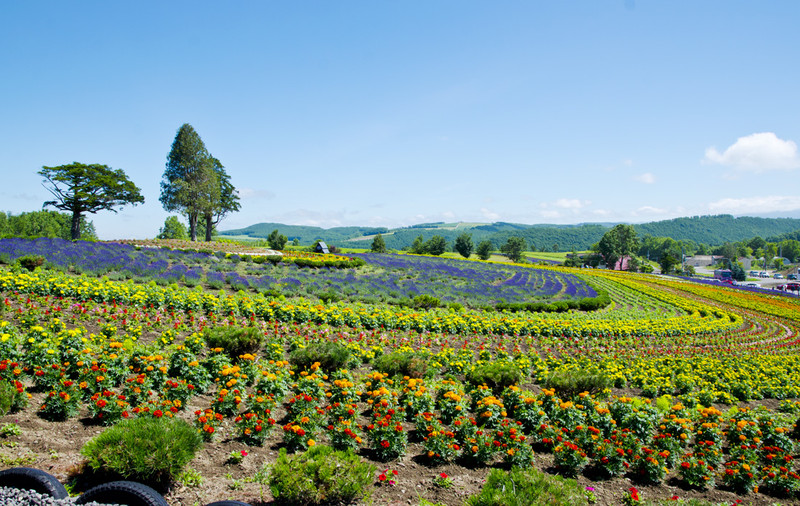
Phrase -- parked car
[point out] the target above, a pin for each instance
(778, 275)
(751, 284)
(763, 274)
(753, 274)
(795, 287)
(792, 276)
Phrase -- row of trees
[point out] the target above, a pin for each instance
(43, 223)
(194, 184)
(437, 245)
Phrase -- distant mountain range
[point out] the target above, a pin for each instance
(710, 230)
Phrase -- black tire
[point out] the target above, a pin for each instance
(128, 493)
(28, 478)
(228, 503)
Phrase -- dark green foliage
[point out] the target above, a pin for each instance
(496, 375)
(738, 273)
(234, 341)
(464, 245)
(79, 188)
(513, 248)
(378, 244)
(436, 245)
(173, 229)
(568, 384)
(321, 475)
(277, 240)
(148, 449)
(43, 224)
(8, 394)
(331, 356)
(602, 300)
(529, 487)
(31, 262)
(617, 243)
(425, 301)
(484, 250)
(402, 363)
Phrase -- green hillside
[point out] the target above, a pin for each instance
(710, 230)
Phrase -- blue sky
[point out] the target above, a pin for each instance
(391, 113)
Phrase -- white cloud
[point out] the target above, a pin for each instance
(649, 210)
(752, 205)
(571, 203)
(646, 178)
(550, 214)
(489, 215)
(757, 153)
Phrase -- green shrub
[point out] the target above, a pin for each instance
(496, 375)
(8, 394)
(331, 356)
(528, 487)
(426, 302)
(234, 340)
(31, 262)
(570, 383)
(321, 475)
(402, 363)
(150, 450)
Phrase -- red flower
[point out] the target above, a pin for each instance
(158, 413)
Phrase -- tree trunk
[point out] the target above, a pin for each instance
(208, 227)
(75, 229)
(193, 226)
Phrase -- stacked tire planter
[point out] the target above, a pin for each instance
(126, 493)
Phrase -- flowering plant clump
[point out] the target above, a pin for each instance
(386, 435)
(227, 401)
(388, 478)
(108, 407)
(739, 475)
(697, 472)
(780, 481)
(299, 434)
(490, 411)
(137, 390)
(631, 498)
(650, 465)
(609, 458)
(179, 390)
(415, 398)
(451, 405)
(207, 422)
(62, 403)
(440, 444)
(443, 481)
(252, 429)
(570, 459)
(513, 444)
(344, 434)
(237, 457)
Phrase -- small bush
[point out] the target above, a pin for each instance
(150, 450)
(496, 375)
(402, 363)
(234, 340)
(31, 262)
(426, 302)
(321, 475)
(528, 487)
(331, 356)
(570, 383)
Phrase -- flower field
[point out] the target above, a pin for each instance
(675, 389)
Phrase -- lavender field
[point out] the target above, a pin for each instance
(387, 278)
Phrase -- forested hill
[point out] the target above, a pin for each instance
(306, 235)
(710, 230)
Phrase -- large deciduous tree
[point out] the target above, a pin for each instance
(79, 188)
(195, 183)
(617, 243)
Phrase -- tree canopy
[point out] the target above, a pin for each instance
(378, 244)
(464, 245)
(513, 248)
(617, 243)
(173, 229)
(195, 183)
(79, 188)
(484, 250)
(31, 225)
